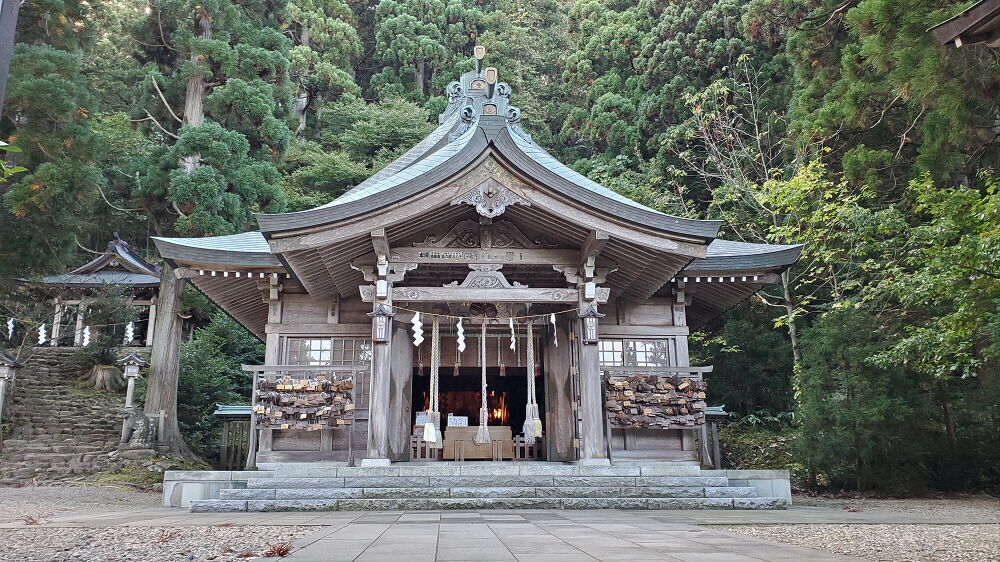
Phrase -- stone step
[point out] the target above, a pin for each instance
(365, 504)
(487, 480)
(498, 469)
(485, 492)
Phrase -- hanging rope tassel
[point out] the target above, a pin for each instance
(432, 429)
(483, 434)
(532, 421)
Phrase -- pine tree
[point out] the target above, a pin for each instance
(216, 98)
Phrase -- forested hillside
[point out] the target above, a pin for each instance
(839, 124)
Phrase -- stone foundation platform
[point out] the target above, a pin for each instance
(475, 485)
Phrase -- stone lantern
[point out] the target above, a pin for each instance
(8, 372)
(132, 364)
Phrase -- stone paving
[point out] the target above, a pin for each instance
(541, 535)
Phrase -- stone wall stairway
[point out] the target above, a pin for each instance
(485, 485)
(54, 429)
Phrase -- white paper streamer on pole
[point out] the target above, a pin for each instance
(555, 334)
(129, 333)
(460, 331)
(42, 336)
(86, 336)
(418, 330)
(10, 328)
(513, 340)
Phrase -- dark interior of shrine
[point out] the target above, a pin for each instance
(460, 395)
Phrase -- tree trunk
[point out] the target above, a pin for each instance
(8, 26)
(418, 76)
(793, 330)
(944, 399)
(194, 96)
(164, 364)
(302, 99)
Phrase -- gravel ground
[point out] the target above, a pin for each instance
(887, 542)
(982, 509)
(145, 543)
(48, 501)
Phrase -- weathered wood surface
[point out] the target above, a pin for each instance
(462, 294)
(592, 444)
(400, 399)
(655, 401)
(560, 417)
(379, 404)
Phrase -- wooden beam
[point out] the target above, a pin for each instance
(462, 294)
(512, 256)
(592, 247)
(380, 242)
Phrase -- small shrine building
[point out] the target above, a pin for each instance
(477, 299)
(69, 293)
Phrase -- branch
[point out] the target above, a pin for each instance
(110, 204)
(84, 248)
(156, 86)
(157, 123)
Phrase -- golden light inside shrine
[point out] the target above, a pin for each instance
(501, 414)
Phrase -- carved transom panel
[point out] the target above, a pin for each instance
(473, 234)
(485, 276)
(490, 189)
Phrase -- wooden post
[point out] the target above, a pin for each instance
(78, 334)
(592, 444)
(560, 417)
(164, 363)
(401, 369)
(151, 322)
(380, 398)
(56, 325)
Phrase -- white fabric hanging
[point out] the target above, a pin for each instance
(483, 433)
(42, 336)
(555, 335)
(86, 336)
(129, 333)
(10, 328)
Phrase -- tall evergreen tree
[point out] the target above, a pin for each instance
(216, 98)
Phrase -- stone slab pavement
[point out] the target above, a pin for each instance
(480, 536)
(549, 536)
(542, 535)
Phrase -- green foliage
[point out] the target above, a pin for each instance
(761, 448)
(840, 126)
(862, 426)
(752, 362)
(210, 375)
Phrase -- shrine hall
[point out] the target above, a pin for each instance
(477, 300)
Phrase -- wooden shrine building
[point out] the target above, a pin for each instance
(585, 298)
(68, 294)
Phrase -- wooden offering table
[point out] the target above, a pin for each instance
(459, 444)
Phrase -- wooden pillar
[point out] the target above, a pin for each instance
(381, 387)
(560, 414)
(56, 324)
(78, 334)
(151, 322)
(592, 444)
(400, 393)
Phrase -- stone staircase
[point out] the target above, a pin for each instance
(53, 428)
(484, 485)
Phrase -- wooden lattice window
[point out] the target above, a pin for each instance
(638, 353)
